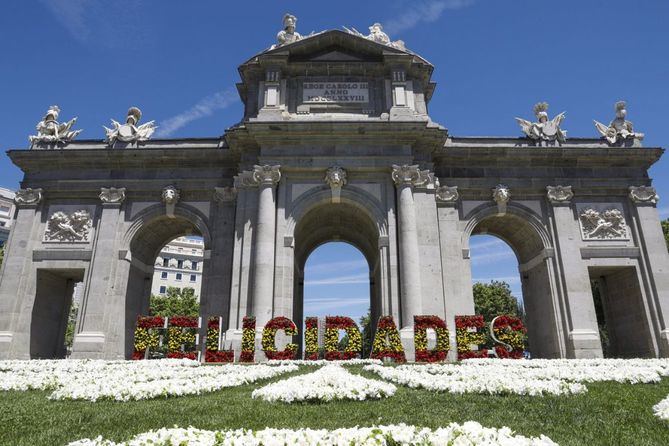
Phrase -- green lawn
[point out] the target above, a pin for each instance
(609, 414)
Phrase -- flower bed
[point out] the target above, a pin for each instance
(387, 343)
(269, 338)
(319, 362)
(248, 339)
(536, 377)
(328, 383)
(466, 434)
(213, 354)
(311, 338)
(332, 326)
(128, 380)
(421, 325)
(468, 332)
(661, 409)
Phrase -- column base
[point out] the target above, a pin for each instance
(406, 337)
(584, 344)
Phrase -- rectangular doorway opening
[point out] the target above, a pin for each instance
(621, 313)
(51, 312)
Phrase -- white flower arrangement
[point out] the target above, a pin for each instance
(535, 377)
(128, 380)
(331, 382)
(467, 434)
(661, 409)
(320, 362)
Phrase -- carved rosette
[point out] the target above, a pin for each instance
(336, 178)
(28, 197)
(643, 195)
(69, 228)
(170, 197)
(225, 194)
(559, 194)
(608, 224)
(406, 175)
(447, 194)
(267, 175)
(112, 195)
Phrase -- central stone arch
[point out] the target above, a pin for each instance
(358, 220)
(524, 232)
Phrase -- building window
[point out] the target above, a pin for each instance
(194, 265)
(163, 290)
(194, 251)
(178, 276)
(193, 277)
(4, 209)
(180, 263)
(181, 249)
(166, 261)
(163, 275)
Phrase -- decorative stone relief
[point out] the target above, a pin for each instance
(50, 131)
(130, 131)
(559, 194)
(68, 228)
(427, 180)
(28, 196)
(501, 195)
(406, 175)
(335, 177)
(376, 34)
(544, 129)
(608, 224)
(447, 194)
(170, 197)
(112, 195)
(288, 34)
(619, 129)
(267, 175)
(225, 194)
(643, 194)
(245, 179)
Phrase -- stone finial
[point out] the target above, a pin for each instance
(130, 131)
(74, 227)
(225, 194)
(267, 175)
(112, 195)
(406, 175)
(28, 196)
(608, 224)
(501, 195)
(643, 194)
(544, 130)
(559, 194)
(447, 194)
(288, 34)
(620, 129)
(336, 178)
(170, 197)
(50, 131)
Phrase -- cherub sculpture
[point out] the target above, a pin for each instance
(619, 129)
(49, 130)
(544, 129)
(130, 131)
(288, 34)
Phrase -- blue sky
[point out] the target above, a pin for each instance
(494, 59)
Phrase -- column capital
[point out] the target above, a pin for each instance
(267, 175)
(28, 197)
(406, 175)
(225, 194)
(447, 195)
(557, 195)
(112, 195)
(643, 195)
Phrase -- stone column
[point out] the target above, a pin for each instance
(89, 340)
(17, 275)
(405, 177)
(267, 178)
(651, 241)
(583, 331)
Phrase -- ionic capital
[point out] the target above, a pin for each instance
(267, 175)
(406, 175)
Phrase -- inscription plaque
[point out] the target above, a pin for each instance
(335, 92)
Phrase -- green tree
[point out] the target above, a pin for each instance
(494, 299)
(366, 326)
(177, 302)
(2, 252)
(665, 229)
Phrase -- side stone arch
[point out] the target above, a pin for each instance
(529, 238)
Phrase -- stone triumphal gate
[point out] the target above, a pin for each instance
(336, 144)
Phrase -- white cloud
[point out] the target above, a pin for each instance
(315, 306)
(205, 107)
(339, 266)
(71, 14)
(475, 244)
(341, 280)
(422, 11)
(492, 257)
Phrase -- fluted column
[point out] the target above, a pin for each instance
(405, 178)
(267, 178)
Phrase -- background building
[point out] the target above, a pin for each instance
(6, 213)
(179, 265)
